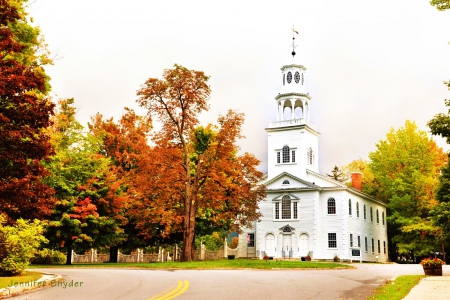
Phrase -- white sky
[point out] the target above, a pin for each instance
(371, 64)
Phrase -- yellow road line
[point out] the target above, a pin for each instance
(172, 293)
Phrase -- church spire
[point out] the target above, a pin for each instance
(293, 40)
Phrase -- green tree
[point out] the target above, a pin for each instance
(337, 174)
(406, 166)
(87, 192)
(18, 244)
(441, 4)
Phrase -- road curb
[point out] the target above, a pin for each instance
(46, 280)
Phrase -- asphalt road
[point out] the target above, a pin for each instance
(108, 283)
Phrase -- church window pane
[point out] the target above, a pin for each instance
(297, 77)
(373, 246)
(286, 154)
(310, 156)
(384, 247)
(359, 241)
(284, 76)
(295, 211)
(286, 207)
(357, 209)
(379, 247)
(286, 182)
(371, 215)
(382, 217)
(378, 217)
(332, 241)
(251, 240)
(350, 207)
(293, 156)
(365, 243)
(331, 206)
(364, 211)
(287, 229)
(351, 240)
(278, 157)
(289, 77)
(277, 210)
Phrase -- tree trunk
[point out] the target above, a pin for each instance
(113, 254)
(69, 252)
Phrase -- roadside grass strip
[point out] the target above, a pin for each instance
(26, 277)
(212, 264)
(172, 293)
(397, 289)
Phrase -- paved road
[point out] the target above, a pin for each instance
(99, 284)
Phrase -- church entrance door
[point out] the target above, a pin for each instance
(304, 245)
(287, 245)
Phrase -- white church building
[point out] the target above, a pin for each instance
(305, 212)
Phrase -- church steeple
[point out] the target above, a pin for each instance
(292, 139)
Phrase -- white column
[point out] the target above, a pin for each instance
(282, 110)
(308, 111)
(292, 111)
(278, 111)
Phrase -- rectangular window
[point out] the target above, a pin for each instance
(250, 240)
(349, 207)
(378, 217)
(384, 247)
(277, 210)
(332, 241)
(278, 157)
(365, 243)
(357, 209)
(379, 247)
(382, 216)
(351, 240)
(373, 246)
(359, 241)
(371, 215)
(295, 211)
(293, 156)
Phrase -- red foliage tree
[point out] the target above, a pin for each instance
(194, 173)
(24, 113)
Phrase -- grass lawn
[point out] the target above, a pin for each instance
(27, 276)
(398, 289)
(214, 264)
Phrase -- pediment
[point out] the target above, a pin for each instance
(286, 180)
(287, 229)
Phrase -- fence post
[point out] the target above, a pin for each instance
(162, 255)
(91, 257)
(202, 252)
(73, 256)
(225, 247)
(159, 254)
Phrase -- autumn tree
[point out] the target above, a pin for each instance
(406, 166)
(195, 171)
(369, 184)
(125, 143)
(87, 213)
(24, 113)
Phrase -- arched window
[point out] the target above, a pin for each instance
(287, 229)
(286, 207)
(357, 209)
(286, 154)
(364, 210)
(349, 207)
(331, 206)
(286, 182)
(378, 217)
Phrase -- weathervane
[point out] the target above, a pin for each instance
(293, 40)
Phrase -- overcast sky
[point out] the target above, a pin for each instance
(371, 65)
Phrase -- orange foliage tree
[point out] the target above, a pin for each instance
(194, 172)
